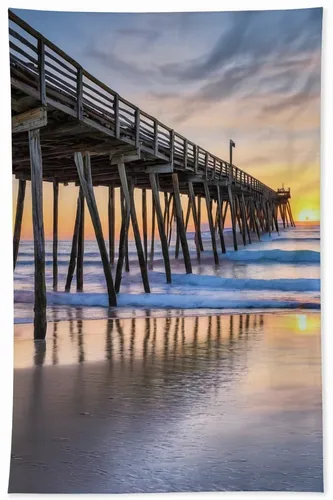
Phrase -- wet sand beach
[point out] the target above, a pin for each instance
(174, 403)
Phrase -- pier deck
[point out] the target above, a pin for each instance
(68, 127)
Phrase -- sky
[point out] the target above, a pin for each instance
(250, 76)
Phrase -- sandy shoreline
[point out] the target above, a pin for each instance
(169, 404)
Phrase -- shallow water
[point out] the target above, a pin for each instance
(153, 404)
(280, 272)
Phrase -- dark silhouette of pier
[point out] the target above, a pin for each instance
(68, 127)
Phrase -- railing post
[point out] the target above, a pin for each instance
(155, 137)
(137, 128)
(172, 146)
(206, 166)
(195, 152)
(41, 68)
(185, 153)
(79, 97)
(116, 115)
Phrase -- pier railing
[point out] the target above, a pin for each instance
(53, 77)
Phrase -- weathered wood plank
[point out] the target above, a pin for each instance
(18, 219)
(211, 223)
(195, 218)
(111, 222)
(32, 119)
(73, 256)
(125, 216)
(180, 224)
(160, 223)
(199, 224)
(172, 217)
(55, 234)
(233, 217)
(188, 213)
(244, 218)
(144, 223)
(219, 219)
(40, 324)
(80, 246)
(152, 243)
(130, 204)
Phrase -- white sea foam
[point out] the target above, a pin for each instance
(215, 282)
(163, 301)
(290, 256)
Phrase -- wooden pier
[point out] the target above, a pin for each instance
(68, 127)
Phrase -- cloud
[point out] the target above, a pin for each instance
(147, 35)
(255, 36)
(127, 68)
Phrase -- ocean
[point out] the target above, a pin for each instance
(281, 272)
(210, 384)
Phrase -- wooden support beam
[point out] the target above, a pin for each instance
(164, 242)
(144, 223)
(275, 218)
(172, 217)
(285, 215)
(282, 216)
(244, 218)
(177, 244)
(268, 217)
(169, 198)
(180, 224)
(165, 168)
(130, 206)
(125, 216)
(111, 222)
(219, 218)
(72, 260)
(188, 213)
(141, 256)
(255, 219)
(18, 219)
(55, 234)
(211, 224)
(84, 171)
(216, 218)
(125, 157)
(80, 246)
(240, 225)
(152, 243)
(40, 324)
(33, 119)
(191, 198)
(292, 222)
(225, 213)
(233, 217)
(165, 197)
(199, 224)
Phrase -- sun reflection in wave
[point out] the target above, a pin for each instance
(301, 322)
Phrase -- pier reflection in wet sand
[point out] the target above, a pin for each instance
(229, 402)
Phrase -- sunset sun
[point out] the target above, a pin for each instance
(308, 214)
